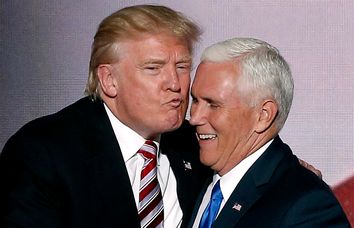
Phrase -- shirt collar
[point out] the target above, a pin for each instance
(230, 180)
(129, 141)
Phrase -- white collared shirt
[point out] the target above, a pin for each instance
(130, 142)
(229, 181)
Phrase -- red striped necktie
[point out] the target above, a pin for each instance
(150, 197)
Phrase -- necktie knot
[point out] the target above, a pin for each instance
(216, 193)
(148, 150)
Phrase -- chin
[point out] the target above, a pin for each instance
(174, 122)
(204, 159)
(175, 126)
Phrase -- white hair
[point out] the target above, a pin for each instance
(265, 73)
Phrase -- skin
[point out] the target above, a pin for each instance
(228, 128)
(147, 89)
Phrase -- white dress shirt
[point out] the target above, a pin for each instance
(130, 142)
(229, 181)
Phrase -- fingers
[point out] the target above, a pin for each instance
(311, 168)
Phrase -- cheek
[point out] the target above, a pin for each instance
(185, 84)
(219, 121)
(236, 130)
(226, 127)
(136, 94)
(145, 91)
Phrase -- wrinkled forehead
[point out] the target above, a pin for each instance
(136, 35)
(154, 46)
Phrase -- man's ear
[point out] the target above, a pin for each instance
(107, 80)
(267, 113)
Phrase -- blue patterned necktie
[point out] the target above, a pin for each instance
(212, 209)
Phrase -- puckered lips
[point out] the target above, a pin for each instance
(174, 102)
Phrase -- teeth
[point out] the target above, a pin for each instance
(206, 136)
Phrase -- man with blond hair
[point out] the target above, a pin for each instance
(123, 156)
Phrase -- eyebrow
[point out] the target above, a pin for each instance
(209, 100)
(206, 99)
(185, 59)
(154, 61)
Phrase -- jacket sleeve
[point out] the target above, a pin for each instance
(27, 192)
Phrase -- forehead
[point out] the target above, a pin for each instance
(155, 46)
(214, 78)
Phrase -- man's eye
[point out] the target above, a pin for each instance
(184, 67)
(212, 105)
(152, 68)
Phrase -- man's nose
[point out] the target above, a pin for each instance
(172, 81)
(197, 114)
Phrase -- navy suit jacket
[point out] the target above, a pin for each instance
(67, 170)
(278, 192)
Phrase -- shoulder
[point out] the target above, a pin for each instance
(66, 119)
(180, 138)
(181, 147)
(316, 207)
(306, 199)
(51, 131)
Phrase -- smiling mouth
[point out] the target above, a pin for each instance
(206, 136)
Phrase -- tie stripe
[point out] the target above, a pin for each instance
(150, 197)
(154, 207)
(151, 190)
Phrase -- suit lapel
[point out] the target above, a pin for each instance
(198, 202)
(251, 187)
(242, 198)
(109, 171)
(106, 165)
(182, 150)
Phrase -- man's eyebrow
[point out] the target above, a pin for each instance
(208, 100)
(185, 59)
(154, 61)
(204, 98)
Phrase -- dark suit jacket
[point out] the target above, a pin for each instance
(278, 192)
(66, 170)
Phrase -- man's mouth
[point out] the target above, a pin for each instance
(175, 103)
(206, 136)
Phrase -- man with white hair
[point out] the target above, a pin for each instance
(242, 93)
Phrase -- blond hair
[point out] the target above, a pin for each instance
(128, 23)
